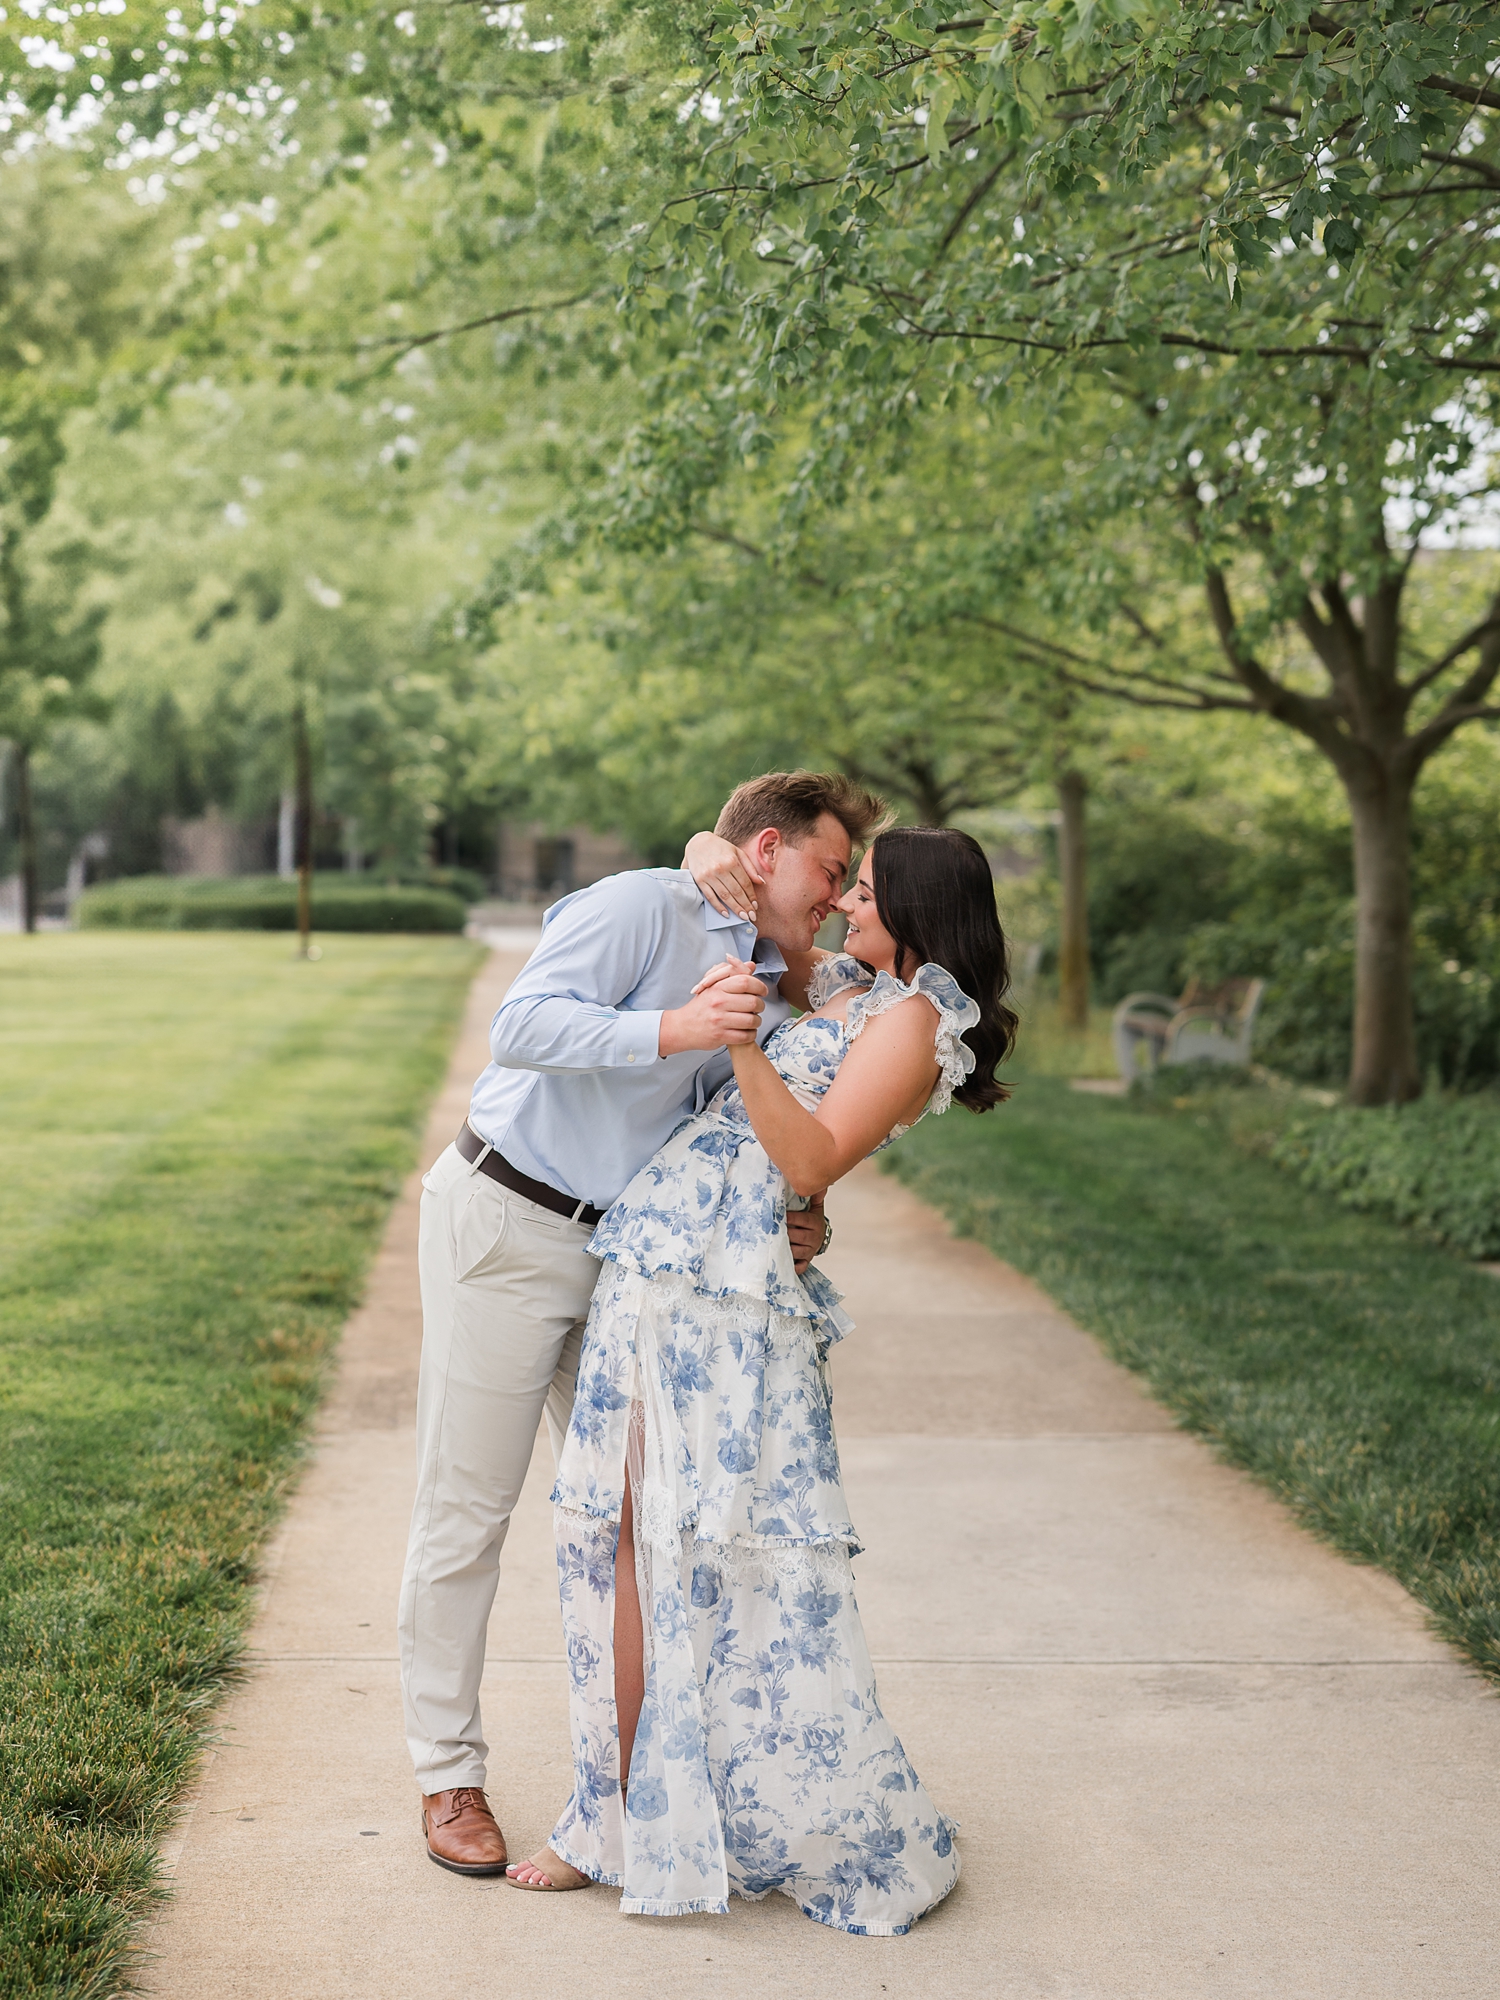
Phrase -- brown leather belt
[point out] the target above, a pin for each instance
(488, 1161)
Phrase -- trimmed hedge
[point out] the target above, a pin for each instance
(1434, 1165)
(263, 903)
(465, 883)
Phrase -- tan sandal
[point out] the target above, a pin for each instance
(554, 1867)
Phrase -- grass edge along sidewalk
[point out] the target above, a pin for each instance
(164, 1329)
(1350, 1367)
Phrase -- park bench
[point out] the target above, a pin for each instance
(1206, 1024)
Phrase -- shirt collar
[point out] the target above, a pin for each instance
(764, 951)
(768, 959)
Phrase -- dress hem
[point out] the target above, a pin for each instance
(602, 1881)
(645, 1906)
(886, 1930)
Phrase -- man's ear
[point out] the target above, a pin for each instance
(764, 849)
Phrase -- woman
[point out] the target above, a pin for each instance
(726, 1732)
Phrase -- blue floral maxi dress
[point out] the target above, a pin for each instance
(762, 1760)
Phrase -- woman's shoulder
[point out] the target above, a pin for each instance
(930, 983)
(946, 1011)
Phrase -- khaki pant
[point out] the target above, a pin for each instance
(505, 1291)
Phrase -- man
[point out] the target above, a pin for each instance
(599, 1051)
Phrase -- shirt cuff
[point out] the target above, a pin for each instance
(637, 1036)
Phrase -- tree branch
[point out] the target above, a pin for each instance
(1466, 93)
(1328, 350)
(971, 202)
(1468, 163)
(1312, 718)
(1420, 747)
(1473, 637)
(1196, 707)
(745, 548)
(408, 343)
(1467, 703)
(1067, 663)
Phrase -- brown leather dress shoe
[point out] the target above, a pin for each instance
(462, 1833)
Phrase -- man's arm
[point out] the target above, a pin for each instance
(564, 1013)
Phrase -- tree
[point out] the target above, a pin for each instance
(48, 651)
(1240, 261)
(75, 282)
(713, 659)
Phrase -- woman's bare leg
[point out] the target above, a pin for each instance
(630, 1640)
(545, 1870)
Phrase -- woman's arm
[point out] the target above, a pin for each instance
(722, 873)
(884, 1081)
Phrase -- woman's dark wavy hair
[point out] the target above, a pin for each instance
(936, 896)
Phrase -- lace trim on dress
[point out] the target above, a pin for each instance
(823, 1563)
(834, 975)
(956, 1011)
(741, 1561)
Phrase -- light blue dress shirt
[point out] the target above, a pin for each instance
(577, 1095)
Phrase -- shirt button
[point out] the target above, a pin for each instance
(631, 1056)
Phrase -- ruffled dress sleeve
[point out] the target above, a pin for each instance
(834, 975)
(955, 1012)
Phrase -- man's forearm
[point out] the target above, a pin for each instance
(556, 1032)
(725, 1010)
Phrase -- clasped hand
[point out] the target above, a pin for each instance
(723, 1011)
(804, 1226)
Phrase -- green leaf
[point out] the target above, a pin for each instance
(939, 104)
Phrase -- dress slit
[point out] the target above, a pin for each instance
(635, 1436)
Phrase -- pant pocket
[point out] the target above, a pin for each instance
(479, 1231)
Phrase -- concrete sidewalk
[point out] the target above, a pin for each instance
(1194, 1753)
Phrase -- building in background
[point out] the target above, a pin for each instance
(218, 845)
(534, 864)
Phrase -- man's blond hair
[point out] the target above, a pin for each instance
(794, 801)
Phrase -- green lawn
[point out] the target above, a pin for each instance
(200, 1137)
(1352, 1368)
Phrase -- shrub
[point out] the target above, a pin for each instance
(1305, 952)
(1173, 897)
(1155, 873)
(1199, 1078)
(1434, 1165)
(465, 883)
(263, 903)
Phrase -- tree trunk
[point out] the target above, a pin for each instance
(304, 830)
(26, 828)
(286, 835)
(1073, 954)
(1384, 1068)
